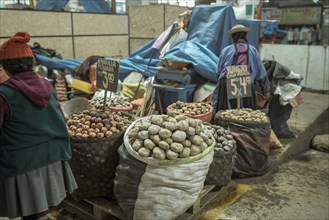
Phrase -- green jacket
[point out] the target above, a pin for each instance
(33, 137)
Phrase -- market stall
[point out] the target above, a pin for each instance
(162, 157)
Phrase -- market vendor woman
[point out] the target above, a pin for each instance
(241, 64)
(34, 142)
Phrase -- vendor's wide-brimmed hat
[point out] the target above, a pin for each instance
(238, 28)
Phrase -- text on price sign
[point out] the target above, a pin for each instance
(107, 74)
(238, 81)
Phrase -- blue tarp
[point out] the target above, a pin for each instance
(94, 6)
(207, 37)
(57, 64)
(144, 60)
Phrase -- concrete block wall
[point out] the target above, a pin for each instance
(311, 62)
(146, 22)
(75, 35)
(79, 35)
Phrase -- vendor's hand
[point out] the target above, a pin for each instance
(93, 86)
(267, 95)
(3, 75)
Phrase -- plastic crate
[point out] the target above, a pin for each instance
(169, 94)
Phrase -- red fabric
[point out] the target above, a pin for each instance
(16, 47)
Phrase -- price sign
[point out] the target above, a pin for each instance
(238, 81)
(107, 74)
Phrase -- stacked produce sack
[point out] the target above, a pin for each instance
(60, 87)
(251, 130)
(95, 138)
(197, 110)
(220, 170)
(163, 165)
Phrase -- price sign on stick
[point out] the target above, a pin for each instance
(107, 76)
(238, 82)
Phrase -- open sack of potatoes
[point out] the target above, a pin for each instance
(251, 130)
(95, 138)
(163, 165)
(221, 169)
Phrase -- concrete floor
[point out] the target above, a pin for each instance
(299, 190)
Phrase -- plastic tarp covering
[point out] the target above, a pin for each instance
(95, 6)
(51, 5)
(207, 37)
(57, 64)
(144, 60)
(209, 24)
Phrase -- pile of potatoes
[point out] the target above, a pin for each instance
(97, 124)
(169, 136)
(98, 102)
(190, 108)
(244, 114)
(224, 139)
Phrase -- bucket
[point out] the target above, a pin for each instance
(127, 109)
(206, 117)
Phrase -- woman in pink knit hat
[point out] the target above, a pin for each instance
(34, 142)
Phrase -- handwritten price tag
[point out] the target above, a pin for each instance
(107, 74)
(238, 82)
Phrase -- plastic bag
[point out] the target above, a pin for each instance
(145, 191)
(133, 86)
(179, 36)
(270, 29)
(253, 146)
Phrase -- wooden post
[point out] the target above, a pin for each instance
(105, 96)
(114, 5)
(259, 10)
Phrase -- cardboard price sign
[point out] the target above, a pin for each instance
(107, 74)
(238, 81)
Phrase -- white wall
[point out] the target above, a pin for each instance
(311, 62)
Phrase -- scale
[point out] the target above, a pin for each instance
(172, 85)
(185, 77)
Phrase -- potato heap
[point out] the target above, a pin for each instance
(224, 139)
(190, 108)
(244, 114)
(98, 102)
(97, 124)
(169, 136)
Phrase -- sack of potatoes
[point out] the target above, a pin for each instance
(169, 137)
(247, 115)
(95, 137)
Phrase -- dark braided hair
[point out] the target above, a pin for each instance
(19, 65)
(239, 35)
